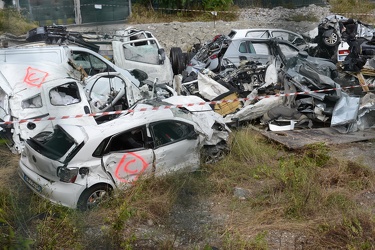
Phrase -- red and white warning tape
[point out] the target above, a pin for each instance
(173, 106)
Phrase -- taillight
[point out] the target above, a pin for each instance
(68, 175)
(214, 56)
(344, 52)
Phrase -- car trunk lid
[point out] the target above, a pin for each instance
(45, 153)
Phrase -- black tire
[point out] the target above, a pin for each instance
(93, 196)
(177, 60)
(332, 40)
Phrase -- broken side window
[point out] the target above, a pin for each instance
(32, 102)
(258, 34)
(288, 51)
(246, 47)
(281, 35)
(166, 132)
(261, 49)
(65, 94)
(129, 140)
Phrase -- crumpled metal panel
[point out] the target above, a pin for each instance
(346, 110)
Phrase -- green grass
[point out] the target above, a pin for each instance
(306, 191)
(300, 188)
(14, 23)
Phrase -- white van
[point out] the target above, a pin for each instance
(90, 61)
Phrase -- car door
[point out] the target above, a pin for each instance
(146, 55)
(248, 50)
(67, 99)
(127, 156)
(176, 146)
(59, 99)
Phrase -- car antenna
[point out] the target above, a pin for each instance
(153, 87)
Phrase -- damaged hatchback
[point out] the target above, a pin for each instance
(79, 165)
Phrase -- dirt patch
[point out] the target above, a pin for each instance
(361, 152)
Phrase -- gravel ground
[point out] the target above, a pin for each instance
(184, 35)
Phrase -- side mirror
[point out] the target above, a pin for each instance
(161, 53)
(139, 74)
(192, 135)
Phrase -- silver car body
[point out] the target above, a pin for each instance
(282, 34)
(249, 49)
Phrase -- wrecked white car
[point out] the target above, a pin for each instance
(222, 51)
(129, 48)
(77, 166)
(36, 96)
(294, 38)
(39, 95)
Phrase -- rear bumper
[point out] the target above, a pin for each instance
(66, 194)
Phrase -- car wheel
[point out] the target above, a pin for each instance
(332, 40)
(177, 60)
(213, 154)
(93, 196)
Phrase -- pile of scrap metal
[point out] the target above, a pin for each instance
(334, 33)
(305, 93)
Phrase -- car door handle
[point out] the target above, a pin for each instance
(86, 109)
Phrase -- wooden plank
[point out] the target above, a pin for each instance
(362, 82)
(296, 139)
